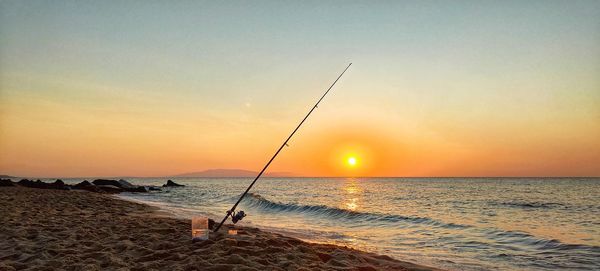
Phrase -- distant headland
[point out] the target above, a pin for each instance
(230, 173)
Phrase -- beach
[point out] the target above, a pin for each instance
(45, 229)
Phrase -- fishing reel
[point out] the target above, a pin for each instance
(235, 217)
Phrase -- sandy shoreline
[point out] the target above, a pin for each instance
(79, 230)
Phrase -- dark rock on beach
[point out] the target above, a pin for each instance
(25, 182)
(107, 182)
(58, 184)
(82, 185)
(85, 185)
(126, 184)
(122, 185)
(98, 186)
(110, 189)
(172, 184)
(32, 184)
(141, 189)
(40, 184)
(6, 182)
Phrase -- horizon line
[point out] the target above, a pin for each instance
(274, 177)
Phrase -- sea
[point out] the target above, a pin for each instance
(450, 223)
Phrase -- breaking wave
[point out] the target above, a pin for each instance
(258, 202)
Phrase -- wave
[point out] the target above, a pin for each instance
(501, 237)
(543, 245)
(258, 202)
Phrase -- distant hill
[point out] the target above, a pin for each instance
(230, 173)
(7, 176)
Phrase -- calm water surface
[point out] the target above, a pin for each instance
(457, 224)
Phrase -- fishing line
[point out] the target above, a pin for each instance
(239, 215)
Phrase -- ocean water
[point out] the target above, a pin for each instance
(452, 223)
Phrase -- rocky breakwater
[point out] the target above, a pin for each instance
(98, 186)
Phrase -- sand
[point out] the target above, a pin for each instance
(78, 230)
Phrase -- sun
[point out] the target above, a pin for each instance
(351, 161)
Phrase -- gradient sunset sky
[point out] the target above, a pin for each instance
(437, 88)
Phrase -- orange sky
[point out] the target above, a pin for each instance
(117, 90)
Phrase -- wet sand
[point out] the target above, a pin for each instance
(78, 230)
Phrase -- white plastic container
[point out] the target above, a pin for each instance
(199, 228)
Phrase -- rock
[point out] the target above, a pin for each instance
(80, 185)
(25, 182)
(172, 184)
(366, 268)
(154, 188)
(126, 185)
(93, 188)
(59, 184)
(110, 189)
(141, 189)
(29, 183)
(107, 182)
(6, 182)
(85, 185)
(40, 184)
(121, 184)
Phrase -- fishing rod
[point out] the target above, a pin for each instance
(236, 217)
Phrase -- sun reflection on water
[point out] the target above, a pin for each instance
(352, 204)
(352, 195)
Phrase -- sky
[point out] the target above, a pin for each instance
(437, 88)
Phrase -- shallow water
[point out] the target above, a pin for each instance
(453, 223)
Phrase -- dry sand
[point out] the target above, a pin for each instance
(79, 230)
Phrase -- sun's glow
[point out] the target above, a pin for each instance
(352, 161)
